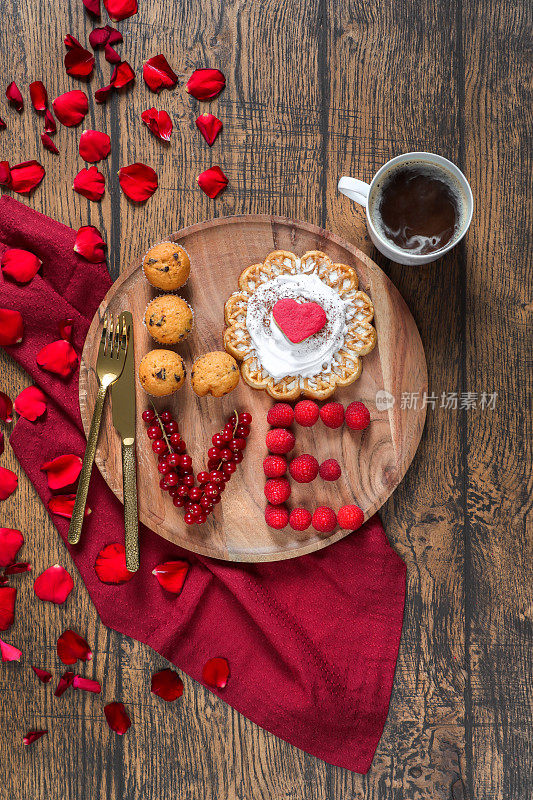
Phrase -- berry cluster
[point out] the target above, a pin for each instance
(175, 464)
(306, 413)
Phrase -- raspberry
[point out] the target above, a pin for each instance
(277, 490)
(280, 441)
(350, 518)
(280, 415)
(306, 413)
(304, 468)
(332, 415)
(324, 519)
(357, 416)
(274, 466)
(276, 517)
(300, 519)
(330, 470)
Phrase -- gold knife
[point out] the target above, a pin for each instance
(124, 419)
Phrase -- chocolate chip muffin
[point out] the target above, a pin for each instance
(215, 373)
(161, 372)
(169, 319)
(167, 266)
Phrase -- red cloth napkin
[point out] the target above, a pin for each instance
(312, 642)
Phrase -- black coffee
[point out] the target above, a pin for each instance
(418, 208)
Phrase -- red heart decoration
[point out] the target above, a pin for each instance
(299, 321)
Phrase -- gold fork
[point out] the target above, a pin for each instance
(109, 365)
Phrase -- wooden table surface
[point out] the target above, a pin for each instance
(315, 90)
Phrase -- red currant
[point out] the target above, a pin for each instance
(227, 433)
(148, 415)
(237, 444)
(171, 479)
(217, 440)
(238, 457)
(185, 462)
(242, 430)
(195, 493)
(229, 468)
(214, 453)
(216, 476)
(159, 446)
(216, 499)
(189, 519)
(182, 490)
(195, 509)
(173, 491)
(206, 503)
(201, 518)
(166, 416)
(203, 477)
(211, 490)
(188, 480)
(163, 467)
(153, 432)
(178, 501)
(180, 447)
(212, 464)
(226, 455)
(162, 484)
(245, 418)
(172, 427)
(173, 460)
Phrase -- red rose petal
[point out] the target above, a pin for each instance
(158, 74)
(122, 75)
(86, 684)
(26, 177)
(62, 471)
(171, 575)
(8, 483)
(49, 122)
(216, 673)
(65, 327)
(48, 143)
(115, 37)
(11, 540)
(11, 327)
(117, 718)
(167, 684)
(33, 736)
(39, 96)
(159, 123)
(21, 265)
(70, 108)
(120, 9)
(79, 62)
(111, 55)
(53, 585)
(30, 403)
(63, 505)
(18, 568)
(205, 84)
(90, 183)
(14, 96)
(71, 42)
(5, 174)
(8, 596)
(110, 564)
(58, 357)
(71, 647)
(6, 407)
(102, 94)
(9, 652)
(43, 674)
(209, 126)
(66, 680)
(212, 181)
(98, 37)
(93, 7)
(138, 181)
(94, 145)
(3, 125)
(90, 244)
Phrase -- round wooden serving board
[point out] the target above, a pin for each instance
(373, 462)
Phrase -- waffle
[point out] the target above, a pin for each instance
(346, 364)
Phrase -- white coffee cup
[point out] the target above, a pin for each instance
(362, 193)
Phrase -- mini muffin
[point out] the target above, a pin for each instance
(169, 319)
(215, 373)
(161, 372)
(167, 266)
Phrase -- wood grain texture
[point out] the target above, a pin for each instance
(315, 90)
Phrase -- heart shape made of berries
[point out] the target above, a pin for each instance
(298, 321)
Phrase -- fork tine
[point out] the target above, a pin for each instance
(104, 332)
(118, 336)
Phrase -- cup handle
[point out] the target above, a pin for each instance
(354, 189)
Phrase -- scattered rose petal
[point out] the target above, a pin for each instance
(117, 717)
(26, 177)
(8, 483)
(94, 145)
(158, 74)
(39, 96)
(71, 42)
(53, 585)
(11, 540)
(63, 505)
(9, 652)
(216, 673)
(167, 684)
(32, 736)
(90, 183)
(159, 123)
(18, 568)
(14, 96)
(21, 265)
(102, 94)
(62, 471)
(43, 674)
(93, 7)
(110, 564)
(5, 174)
(31, 403)
(79, 62)
(65, 681)
(49, 122)
(48, 143)
(11, 327)
(3, 125)
(120, 9)
(122, 75)
(90, 244)
(86, 684)
(6, 407)
(8, 595)
(71, 647)
(111, 55)
(171, 575)
(58, 357)
(70, 108)
(98, 37)
(204, 84)
(115, 37)
(138, 181)
(209, 126)
(212, 181)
